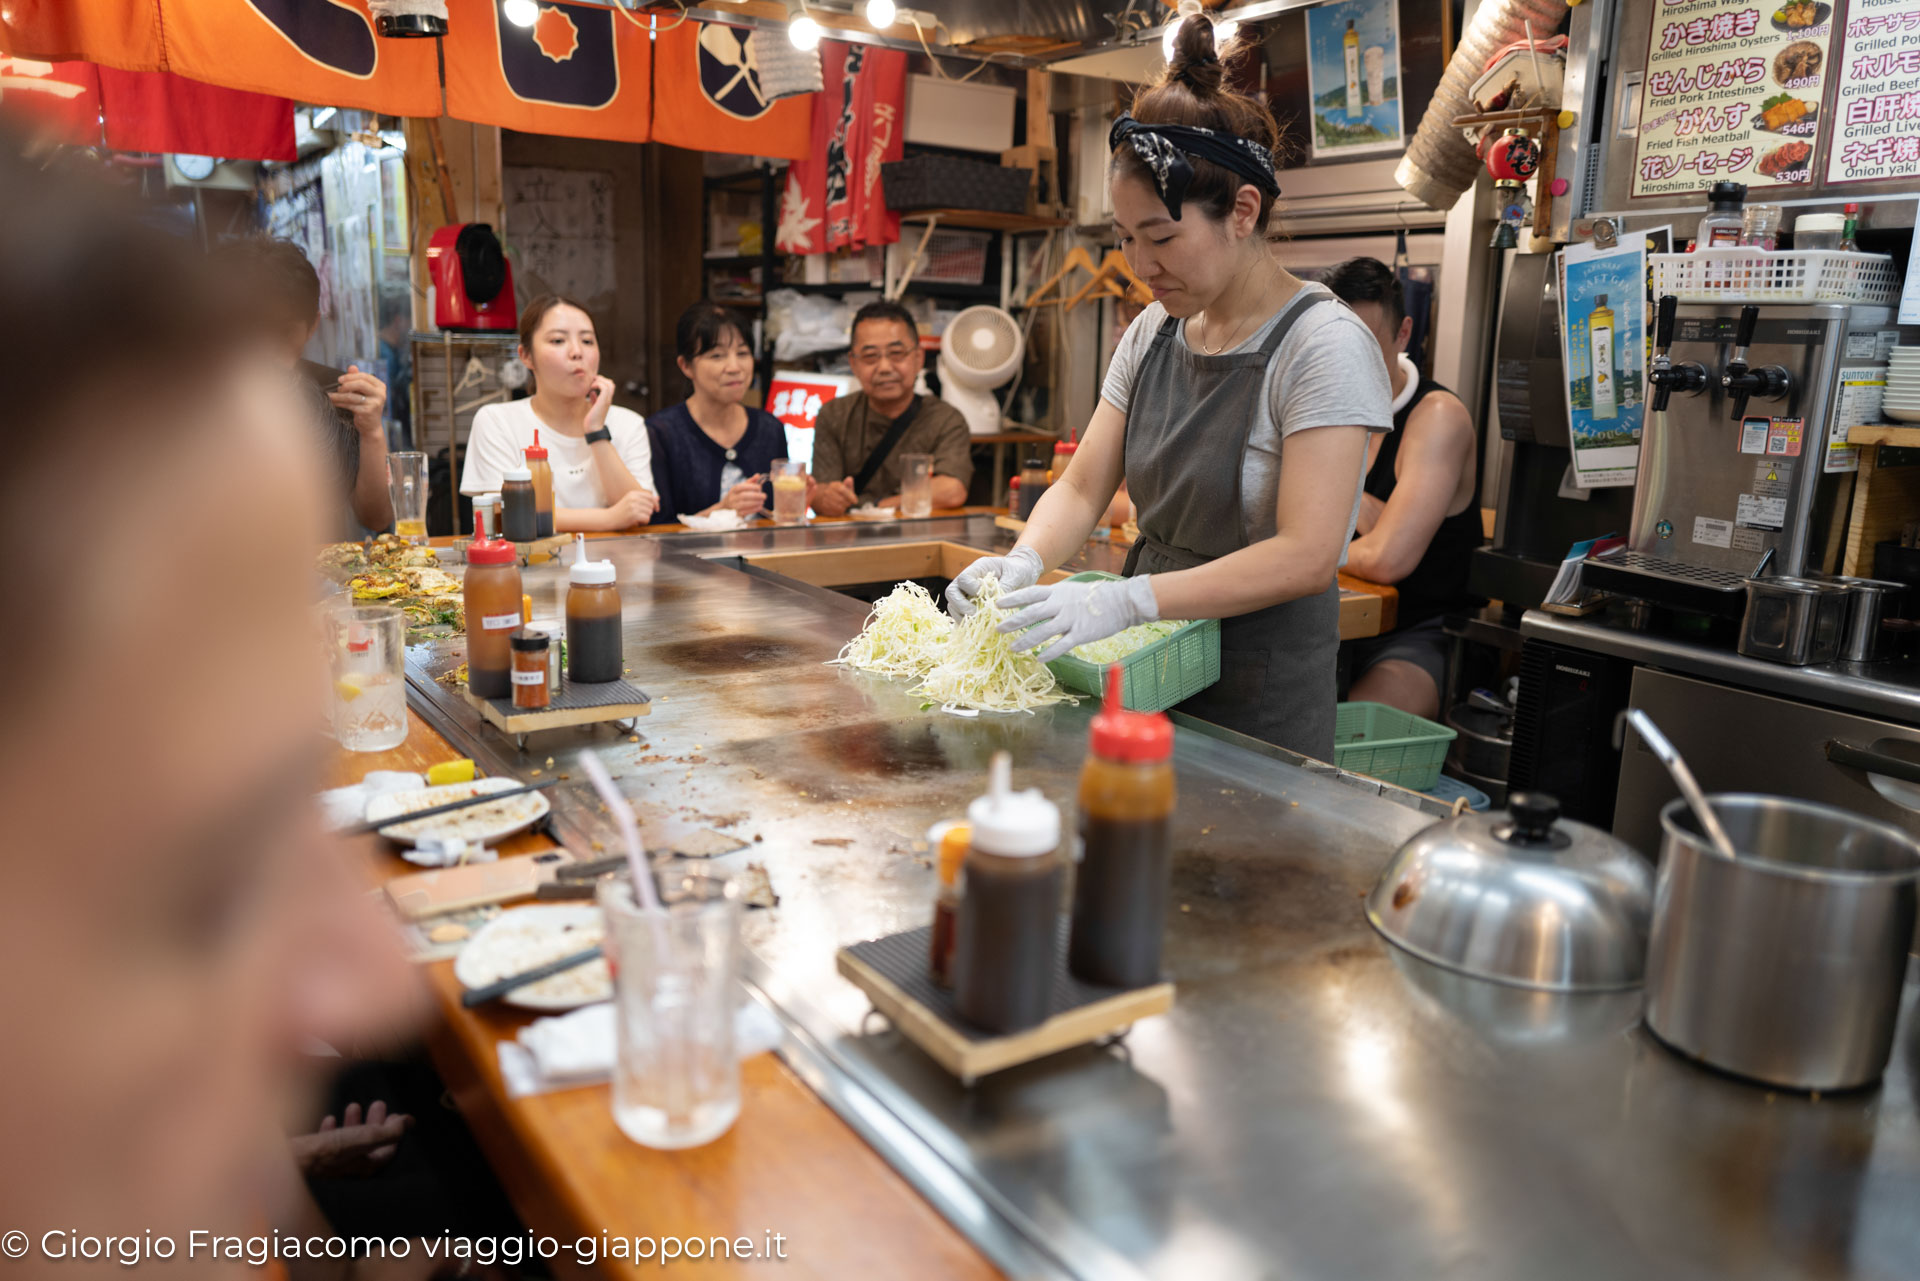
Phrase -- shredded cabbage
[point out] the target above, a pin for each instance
(905, 635)
(969, 666)
(1114, 648)
(980, 670)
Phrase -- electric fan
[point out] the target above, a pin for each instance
(979, 351)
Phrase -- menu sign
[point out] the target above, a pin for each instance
(1732, 94)
(1876, 129)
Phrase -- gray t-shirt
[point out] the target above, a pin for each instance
(1327, 372)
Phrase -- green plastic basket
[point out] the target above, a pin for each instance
(1391, 745)
(1154, 678)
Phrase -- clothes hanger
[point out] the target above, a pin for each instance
(1077, 259)
(1105, 282)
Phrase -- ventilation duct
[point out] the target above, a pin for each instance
(1440, 163)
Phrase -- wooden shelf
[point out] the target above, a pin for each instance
(1904, 436)
(1885, 500)
(985, 220)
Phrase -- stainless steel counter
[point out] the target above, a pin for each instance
(1887, 690)
(1315, 1105)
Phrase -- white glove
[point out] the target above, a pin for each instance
(1021, 567)
(1078, 613)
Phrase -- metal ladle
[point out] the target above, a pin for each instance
(1683, 777)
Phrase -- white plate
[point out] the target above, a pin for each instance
(517, 941)
(477, 824)
(876, 513)
(1904, 415)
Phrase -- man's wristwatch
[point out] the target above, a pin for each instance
(595, 437)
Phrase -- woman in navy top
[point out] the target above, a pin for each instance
(710, 451)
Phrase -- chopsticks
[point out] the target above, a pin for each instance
(374, 825)
(494, 991)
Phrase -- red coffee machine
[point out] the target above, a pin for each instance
(472, 279)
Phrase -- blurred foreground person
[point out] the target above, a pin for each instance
(175, 929)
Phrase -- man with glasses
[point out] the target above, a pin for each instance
(860, 440)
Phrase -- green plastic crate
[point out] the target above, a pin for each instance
(1391, 745)
(1171, 670)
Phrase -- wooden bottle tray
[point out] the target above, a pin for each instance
(573, 704)
(892, 971)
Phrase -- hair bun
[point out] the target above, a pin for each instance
(1196, 60)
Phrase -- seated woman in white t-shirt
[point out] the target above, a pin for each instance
(602, 463)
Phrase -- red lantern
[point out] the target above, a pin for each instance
(1514, 158)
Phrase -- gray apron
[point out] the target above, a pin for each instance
(1186, 437)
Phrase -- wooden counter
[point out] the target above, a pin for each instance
(788, 1165)
(1366, 609)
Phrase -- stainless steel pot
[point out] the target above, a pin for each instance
(1794, 620)
(1785, 964)
(1867, 607)
(1524, 897)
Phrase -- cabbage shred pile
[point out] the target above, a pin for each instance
(1114, 648)
(904, 636)
(968, 665)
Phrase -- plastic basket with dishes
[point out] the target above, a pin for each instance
(1391, 745)
(1155, 676)
(953, 257)
(1763, 275)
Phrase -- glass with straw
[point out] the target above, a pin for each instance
(675, 959)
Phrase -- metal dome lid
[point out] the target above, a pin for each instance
(1521, 896)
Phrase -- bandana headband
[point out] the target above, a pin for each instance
(1165, 149)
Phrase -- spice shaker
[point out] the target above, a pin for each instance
(530, 649)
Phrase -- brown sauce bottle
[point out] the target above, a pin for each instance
(518, 520)
(492, 599)
(1126, 833)
(1007, 947)
(594, 644)
(542, 487)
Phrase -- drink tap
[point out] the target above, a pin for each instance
(1666, 377)
(1769, 382)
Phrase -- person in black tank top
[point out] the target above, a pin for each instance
(1420, 517)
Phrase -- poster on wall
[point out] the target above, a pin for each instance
(1876, 126)
(1603, 345)
(1732, 94)
(1353, 72)
(560, 226)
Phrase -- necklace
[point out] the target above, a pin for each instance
(1232, 337)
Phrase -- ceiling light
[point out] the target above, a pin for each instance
(1225, 31)
(804, 33)
(521, 13)
(880, 14)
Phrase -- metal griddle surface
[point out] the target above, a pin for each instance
(1316, 1104)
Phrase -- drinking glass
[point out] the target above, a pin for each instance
(676, 1071)
(789, 478)
(916, 486)
(367, 651)
(407, 486)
